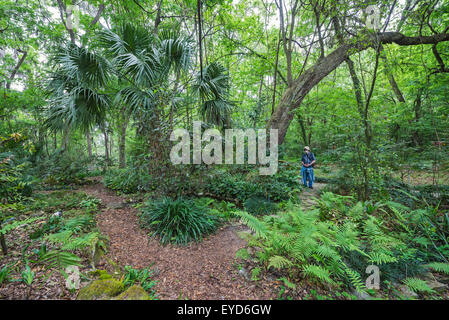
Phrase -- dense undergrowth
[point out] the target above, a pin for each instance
(335, 243)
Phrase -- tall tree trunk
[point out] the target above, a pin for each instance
(390, 77)
(417, 140)
(3, 244)
(275, 74)
(122, 139)
(106, 144)
(89, 144)
(65, 138)
(303, 129)
(16, 69)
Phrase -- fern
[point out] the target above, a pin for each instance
(418, 285)
(7, 227)
(318, 272)
(355, 280)
(279, 262)
(79, 223)
(288, 283)
(253, 223)
(60, 259)
(439, 267)
(60, 237)
(381, 258)
(242, 254)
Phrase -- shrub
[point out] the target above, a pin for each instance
(62, 168)
(177, 221)
(259, 206)
(274, 188)
(127, 180)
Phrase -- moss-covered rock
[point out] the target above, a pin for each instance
(133, 293)
(101, 289)
(100, 274)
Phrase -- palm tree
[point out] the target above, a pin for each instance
(76, 87)
(145, 65)
(213, 90)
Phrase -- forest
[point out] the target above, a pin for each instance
(120, 178)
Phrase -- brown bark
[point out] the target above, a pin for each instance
(106, 144)
(89, 144)
(275, 76)
(16, 69)
(62, 10)
(98, 15)
(122, 145)
(3, 244)
(391, 78)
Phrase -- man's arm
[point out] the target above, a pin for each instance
(313, 160)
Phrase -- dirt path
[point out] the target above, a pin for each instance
(307, 196)
(199, 271)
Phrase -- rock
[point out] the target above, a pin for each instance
(116, 205)
(133, 293)
(100, 274)
(361, 295)
(407, 292)
(101, 289)
(437, 286)
(244, 273)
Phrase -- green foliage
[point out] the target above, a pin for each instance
(62, 167)
(418, 285)
(255, 273)
(139, 276)
(27, 276)
(5, 273)
(336, 242)
(7, 227)
(128, 180)
(57, 259)
(300, 241)
(177, 221)
(242, 253)
(439, 267)
(259, 206)
(15, 183)
(243, 188)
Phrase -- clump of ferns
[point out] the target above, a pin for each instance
(79, 235)
(303, 245)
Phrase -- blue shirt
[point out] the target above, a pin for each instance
(308, 158)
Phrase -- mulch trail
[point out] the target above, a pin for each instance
(202, 270)
(308, 196)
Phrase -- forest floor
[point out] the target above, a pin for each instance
(205, 270)
(308, 196)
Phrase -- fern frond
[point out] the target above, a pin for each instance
(439, 267)
(279, 262)
(418, 285)
(381, 258)
(60, 237)
(318, 272)
(60, 259)
(355, 279)
(253, 223)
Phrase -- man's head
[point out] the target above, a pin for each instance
(306, 149)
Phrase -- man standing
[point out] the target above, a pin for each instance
(307, 161)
